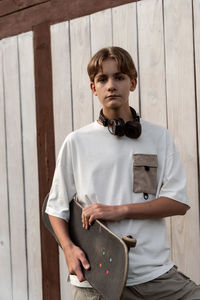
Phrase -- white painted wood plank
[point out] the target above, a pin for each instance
(181, 116)
(101, 36)
(5, 259)
(27, 91)
(61, 81)
(62, 112)
(125, 36)
(101, 30)
(15, 168)
(152, 65)
(196, 4)
(80, 55)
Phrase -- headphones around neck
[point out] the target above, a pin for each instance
(131, 129)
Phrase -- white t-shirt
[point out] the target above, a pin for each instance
(98, 165)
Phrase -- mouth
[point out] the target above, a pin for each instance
(112, 96)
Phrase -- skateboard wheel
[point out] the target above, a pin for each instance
(129, 241)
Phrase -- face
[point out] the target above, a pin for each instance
(112, 87)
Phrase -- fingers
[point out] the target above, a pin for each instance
(99, 211)
(75, 261)
(84, 261)
(89, 214)
(87, 220)
(78, 272)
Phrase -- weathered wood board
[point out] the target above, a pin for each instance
(21, 274)
(181, 109)
(168, 93)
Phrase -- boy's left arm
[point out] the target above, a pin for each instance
(159, 208)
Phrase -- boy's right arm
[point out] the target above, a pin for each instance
(74, 255)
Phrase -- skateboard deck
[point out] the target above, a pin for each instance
(105, 251)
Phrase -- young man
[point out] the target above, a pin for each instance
(131, 172)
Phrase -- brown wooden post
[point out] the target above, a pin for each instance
(46, 154)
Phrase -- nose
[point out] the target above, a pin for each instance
(111, 85)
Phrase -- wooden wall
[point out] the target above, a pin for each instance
(163, 37)
(20, 258)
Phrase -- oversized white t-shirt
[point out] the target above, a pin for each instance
(100, 166)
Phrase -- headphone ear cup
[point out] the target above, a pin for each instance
(133, 129)
(118, 127)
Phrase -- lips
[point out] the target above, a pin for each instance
(112, 96)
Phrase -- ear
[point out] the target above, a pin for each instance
(133, 84)
(92, 86)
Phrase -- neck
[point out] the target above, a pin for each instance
(124, 114)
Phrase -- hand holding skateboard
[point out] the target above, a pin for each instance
(105, 251)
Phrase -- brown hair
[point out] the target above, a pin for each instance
(121, 56)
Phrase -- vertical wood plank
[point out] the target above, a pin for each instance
(181, 120)
(80, 55)
(46, 154)
(196, 10)
(101, 36)
(29, 142)
(5, 259)
(101, 23)
(15, 169)
(152, 66)
(125, 36)
(62, 104)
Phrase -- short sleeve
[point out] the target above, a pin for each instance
(63, 186)
(174, 179)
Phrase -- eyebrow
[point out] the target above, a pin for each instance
(115, 74)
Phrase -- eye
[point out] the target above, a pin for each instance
(101, 79)
(119, 77)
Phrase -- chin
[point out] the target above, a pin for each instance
(114, 104)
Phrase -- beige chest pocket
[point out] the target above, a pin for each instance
(145, 173)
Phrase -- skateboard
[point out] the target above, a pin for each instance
(106, 252)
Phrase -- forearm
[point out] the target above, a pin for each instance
(159, 208)
(61, 230)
